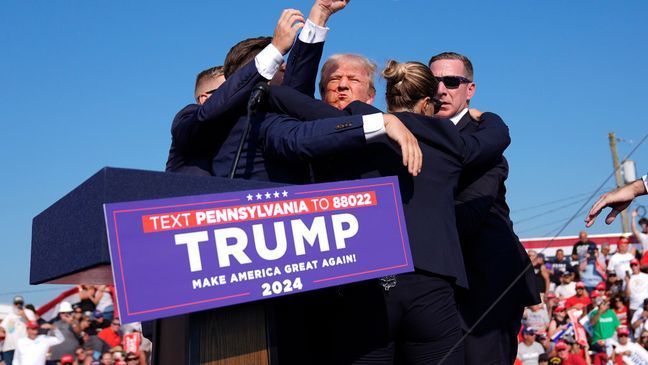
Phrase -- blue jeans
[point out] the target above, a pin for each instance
(7, 357)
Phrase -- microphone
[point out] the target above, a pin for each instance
(257, 97)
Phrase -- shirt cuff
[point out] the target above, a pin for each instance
(373, 126)
(268, 61)
(645, 180)
(313, 33)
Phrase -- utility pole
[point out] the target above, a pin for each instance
(619, 179)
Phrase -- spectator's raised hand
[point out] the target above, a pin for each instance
(410, 149)
(618, 199)
(290, 22)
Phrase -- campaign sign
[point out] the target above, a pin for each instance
(186, 254)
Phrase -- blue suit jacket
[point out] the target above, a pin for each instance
(428, 199)
(199, 131)
(492, 251)
(301, 70)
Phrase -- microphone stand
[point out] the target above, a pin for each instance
(246, 131)
(258, 94)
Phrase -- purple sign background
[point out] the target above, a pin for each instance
(152, 273)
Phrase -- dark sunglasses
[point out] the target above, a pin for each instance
(453, 82)
(131, 359)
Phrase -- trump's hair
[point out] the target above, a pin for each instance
(367, 65)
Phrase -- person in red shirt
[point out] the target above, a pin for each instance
(620, 309)
(568, 358)
(579, 301)
(111, 335)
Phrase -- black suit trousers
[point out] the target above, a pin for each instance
(415, 322)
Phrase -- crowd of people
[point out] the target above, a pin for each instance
(594, 306)
(80, 333)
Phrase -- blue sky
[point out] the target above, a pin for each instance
(87, 84)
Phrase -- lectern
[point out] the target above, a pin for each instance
(74, 227)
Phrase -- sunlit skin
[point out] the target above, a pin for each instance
(452, 100)
(348, 81)
(210, 84)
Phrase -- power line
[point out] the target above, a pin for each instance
(551, 211)
(541, 225)
(550, 202)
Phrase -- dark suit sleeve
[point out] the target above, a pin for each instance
(487, 143)
(288, 138)
(285, 100)
(474, 202)
(302, 65)
(288, 101)
(204, 121)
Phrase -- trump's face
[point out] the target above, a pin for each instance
(453, 99)
(348, 81)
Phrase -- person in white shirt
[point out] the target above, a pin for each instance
(618, 199)
(620, 261)
(529, 350)
(640, 234)
(625, 348)
(640, 319)
(15, 326)
(567, 287)
(32, 350)
(637, 288)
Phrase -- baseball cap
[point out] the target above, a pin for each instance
(67, 359)
(18, 299)
(600, 286)
(529, 331)
(561, 345)
(623, 330)
(580, 285)
(555, 361)
(634, 262)
(97, 314)
(559, 308)
(623, 240)
(595, 294)
(65, 307)
(33, 325)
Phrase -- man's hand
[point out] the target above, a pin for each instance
(475, 114)
(410, 149)
(618, 200)
(603, 307)
(323, 9)
(290, 22)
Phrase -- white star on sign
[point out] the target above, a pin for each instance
(276, 194)
(284, 193)
(258, 196)
(267, 195)
(249, 197)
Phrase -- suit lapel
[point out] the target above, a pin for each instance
(464, 121)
